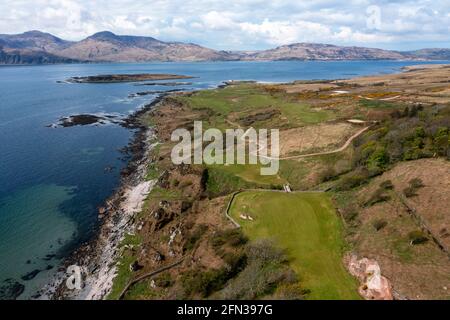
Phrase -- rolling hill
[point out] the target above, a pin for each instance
(35, 47)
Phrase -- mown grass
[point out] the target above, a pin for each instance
(306, 225)
(243, 99)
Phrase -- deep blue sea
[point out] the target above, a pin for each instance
(52, 180)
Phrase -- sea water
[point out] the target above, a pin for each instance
(52, 180)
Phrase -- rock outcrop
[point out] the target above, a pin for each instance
(374, 286)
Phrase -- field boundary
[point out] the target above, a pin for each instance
(423, 224)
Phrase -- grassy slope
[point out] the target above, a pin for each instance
(252, 173)
(243, 99)
(315, 246)
(246, 98)
(306, 225)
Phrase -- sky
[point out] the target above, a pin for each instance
(241, 25)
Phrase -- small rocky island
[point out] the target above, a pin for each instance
(115, 78)
(86, 119)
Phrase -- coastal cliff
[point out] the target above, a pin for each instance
(167, 234)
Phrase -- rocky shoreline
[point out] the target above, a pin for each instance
(117, 78)
(97, 258)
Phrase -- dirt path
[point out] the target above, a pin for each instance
(148, 275)
(346, 144)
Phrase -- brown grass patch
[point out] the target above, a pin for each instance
(324, 136)
(416, 271)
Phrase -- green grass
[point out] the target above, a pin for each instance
(164, 194)
(141, 291)
(124, 273)
(378, 104)
(153, 171)
(123, 276)
(306, 225)
(222, 182)
(244, 99)
(252, 173)
(294, 172)
(132, 240)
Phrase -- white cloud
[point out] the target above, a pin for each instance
(123, 23)
(217, 21)
(280, 32)
(233, 24)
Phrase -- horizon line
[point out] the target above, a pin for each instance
(226, 50)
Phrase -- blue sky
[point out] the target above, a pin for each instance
(241, 25)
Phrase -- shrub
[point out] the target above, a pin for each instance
(417, 237)
(378, 160)
(442, 141)
(276, 187)
(411, 134)
(378, 196)
(409, 192)
(265, 251)
(185, 183)
(207, 282)
(175, 182)
(351, 181)
(328, 174)
(266, 270)
(416, 183)
(194, 236)
(387, 185)
(231, 237)
(235, 260)
(291, 291)
(379, 224)
(203, 283)
(349, 213)
(164, 280)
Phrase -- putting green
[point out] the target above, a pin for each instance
(306, 225)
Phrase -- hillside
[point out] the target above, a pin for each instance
(433, 54)
(35, 47)
(312, 51)
(13, 57)
(105, 47)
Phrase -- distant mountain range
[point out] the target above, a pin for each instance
(35, 47)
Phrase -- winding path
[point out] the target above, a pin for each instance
(345, 146)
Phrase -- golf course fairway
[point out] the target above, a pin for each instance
(307, 227)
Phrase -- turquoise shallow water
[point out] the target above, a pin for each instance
(53, 180)
(34, 212)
